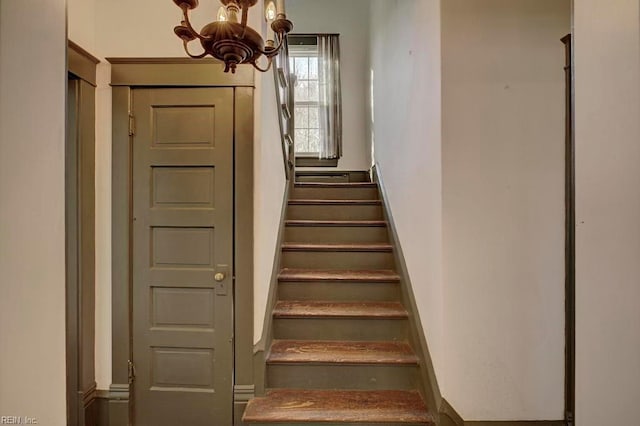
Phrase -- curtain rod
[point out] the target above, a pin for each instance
(312, 34)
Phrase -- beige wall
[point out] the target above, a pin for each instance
(405, 52)
(503, 207)
(81, 19)
(32, 202)
(350, 20)
(607, 121)
(607, 110)
(269, 186)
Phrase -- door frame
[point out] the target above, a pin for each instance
(127, 74)
(570, 234)
(80, 236)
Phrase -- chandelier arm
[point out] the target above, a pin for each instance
(186, 49)
(245, 17)
(255, 65)
(273, 52)
(187, 23)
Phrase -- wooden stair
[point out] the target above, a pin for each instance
(316, 309)
(336, 352)
(340, 353)
(323, 406)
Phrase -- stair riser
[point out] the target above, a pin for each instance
(337, 260)
(340, 329)
(349, 176)
(335, 212)
(360, 377)
(336, 234)
(363, 193)
(338, 291)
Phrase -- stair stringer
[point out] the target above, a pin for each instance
(260, 349)
(428, 383)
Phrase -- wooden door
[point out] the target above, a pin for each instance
(182, 240)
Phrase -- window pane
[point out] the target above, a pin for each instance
(314, 121)
(302, 68)
(313, 68)
(313, 91)
(314, 140)
(302, 118)
(302, 140)
(302, 91)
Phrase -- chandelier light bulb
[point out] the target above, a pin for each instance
(222, 14)
(270, 12)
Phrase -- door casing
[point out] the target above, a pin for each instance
(80, 233)
(127, 73)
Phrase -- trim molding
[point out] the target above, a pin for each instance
(448, 415)
(112, 406)
(183, 72)
(243, 237)
(117, 391)
(81, 63)
(80, 250)
(316, 162)
(518, 423)
(243, 393)
(428, 381)
(90, 395)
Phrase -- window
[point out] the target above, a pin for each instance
(304, 64)
(317, 111)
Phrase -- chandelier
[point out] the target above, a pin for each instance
(229, 39)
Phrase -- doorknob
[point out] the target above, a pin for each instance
(220, 278)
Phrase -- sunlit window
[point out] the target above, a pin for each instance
(304, 64)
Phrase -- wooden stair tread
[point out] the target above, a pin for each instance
(322, 202)
(299, 405)
(375, 275)
(315, 309)
(351, 247)
(337, 223)
(336, 185)
(340, 352)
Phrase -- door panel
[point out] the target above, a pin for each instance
(182, 237)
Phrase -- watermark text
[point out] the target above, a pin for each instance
(18, 420)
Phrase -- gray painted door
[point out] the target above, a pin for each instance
(182, 238)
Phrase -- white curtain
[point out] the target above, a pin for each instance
(330, 96)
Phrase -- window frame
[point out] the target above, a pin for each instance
(307, 50)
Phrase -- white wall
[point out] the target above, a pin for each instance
(350, 20)
(269, 186)
(607, 126)
(32, 202)
(81, 19)
(144, 28)
(503, 207)
(405, 53)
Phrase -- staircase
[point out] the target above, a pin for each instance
(340, 352)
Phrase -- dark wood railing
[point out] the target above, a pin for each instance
(285, 82)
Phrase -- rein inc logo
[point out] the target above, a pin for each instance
(18, 420)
